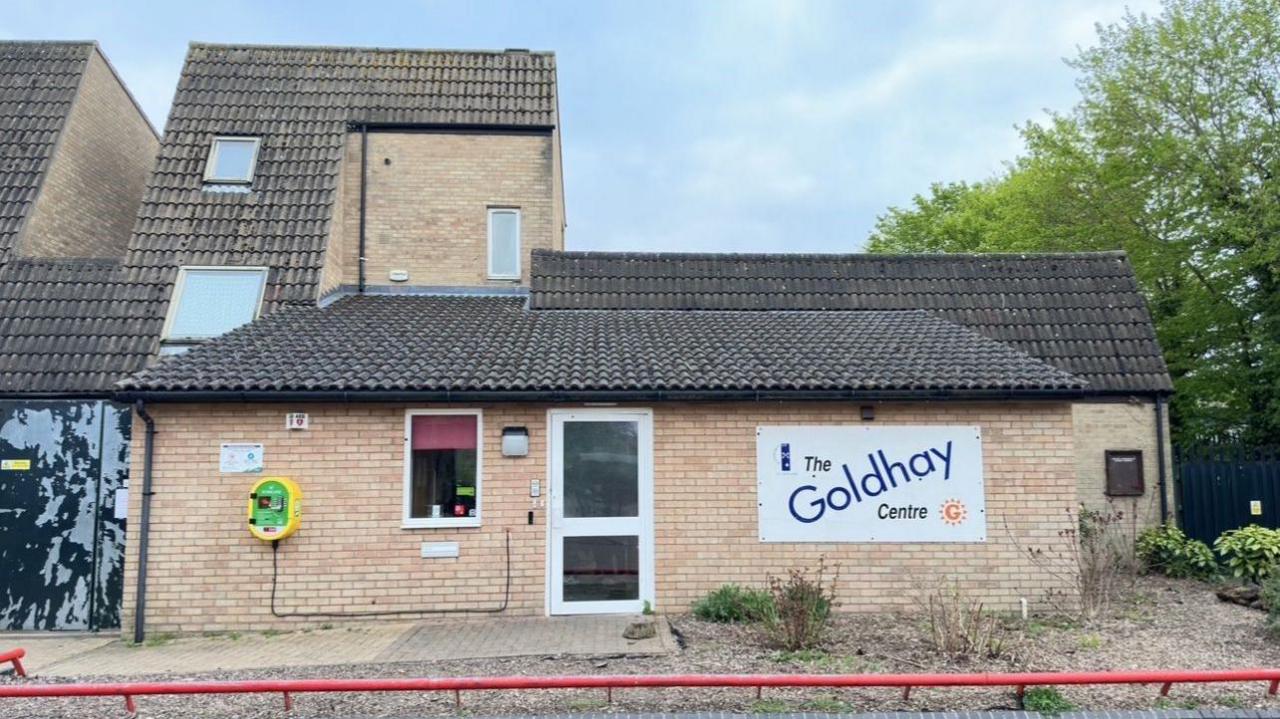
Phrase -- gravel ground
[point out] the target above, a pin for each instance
(1165, 624)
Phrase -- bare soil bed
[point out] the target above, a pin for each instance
(1165, 624)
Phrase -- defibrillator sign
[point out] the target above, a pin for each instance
(870, 484)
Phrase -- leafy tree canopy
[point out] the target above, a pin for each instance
(1173, 155)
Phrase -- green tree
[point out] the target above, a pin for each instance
(1172, 154)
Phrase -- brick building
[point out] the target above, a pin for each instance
(75, 153)
(359, 280)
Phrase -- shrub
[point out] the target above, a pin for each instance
(732, 603)
(1250, 553)
(1271, 602)
(802, 606)
(1096, 557)
(1165, 549)
(959, 627)
(1046, 700)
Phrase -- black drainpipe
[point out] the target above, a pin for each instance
(1164, 501)
(140, 603)
(364, 181)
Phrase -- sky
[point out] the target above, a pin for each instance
(735, 126)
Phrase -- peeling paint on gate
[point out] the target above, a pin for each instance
(61, 547)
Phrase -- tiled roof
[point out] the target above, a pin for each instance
(38, 83)
(1082, 313)
(464, 345)
(300, 101)
(68, 327)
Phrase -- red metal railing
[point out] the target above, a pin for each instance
(457, 685)
(14, 657)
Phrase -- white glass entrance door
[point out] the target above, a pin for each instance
(601, 511)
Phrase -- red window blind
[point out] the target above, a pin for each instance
(442, 431)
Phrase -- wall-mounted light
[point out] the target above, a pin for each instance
(868, 413)
(515, 442)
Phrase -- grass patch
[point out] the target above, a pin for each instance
(1091, 642)
(770, 706)
(1046, 700)
(587, 705)
(1040, 626)
(159, 640)
(829, 663)
(826, 705)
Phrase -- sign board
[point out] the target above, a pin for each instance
(297, 420)
(15, 465)
(240, 458)
(1255, 507)
(862, 483)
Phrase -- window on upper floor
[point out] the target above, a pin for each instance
(232, 160)
(210, 301)
(504, 243)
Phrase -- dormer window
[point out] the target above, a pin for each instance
(504, 243)
(210, 301)
(232, 160)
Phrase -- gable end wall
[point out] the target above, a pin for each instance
(90, 197)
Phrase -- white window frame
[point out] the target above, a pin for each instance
(519, 242)
(411, 522)
(211, 163)
(179, 286)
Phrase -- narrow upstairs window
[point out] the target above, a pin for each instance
(232, 160)
(504, 244)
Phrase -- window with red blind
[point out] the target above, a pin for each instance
(444, 468)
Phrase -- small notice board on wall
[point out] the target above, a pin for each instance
(240, 458)
(870, 484)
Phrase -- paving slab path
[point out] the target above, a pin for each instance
(86, 655)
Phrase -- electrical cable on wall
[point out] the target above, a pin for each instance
(275, 576)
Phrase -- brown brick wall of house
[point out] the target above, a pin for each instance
(207, 573)
(89, 198)
(427, 210)
(1102, 426)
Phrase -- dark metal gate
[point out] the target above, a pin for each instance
(1227, 487)
(61, 541)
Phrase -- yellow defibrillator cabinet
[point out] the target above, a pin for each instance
(275, 508)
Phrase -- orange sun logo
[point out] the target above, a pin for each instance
(953, 512)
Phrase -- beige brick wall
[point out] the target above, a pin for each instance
(1101, 426)
(428, 197)
(95, 182)
(705, 502)
(206, 573)
(335, 254)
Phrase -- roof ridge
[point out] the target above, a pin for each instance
(371, 48)
(19, 41)
(894, 257)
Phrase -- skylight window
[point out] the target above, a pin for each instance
(210, 301)
(232, 160)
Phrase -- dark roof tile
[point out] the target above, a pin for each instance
(468, 344)
(69, 326)
(300, 101)
(1081, 312)
(38, 83)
